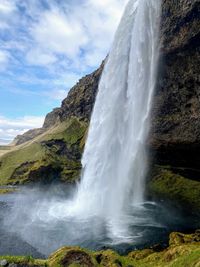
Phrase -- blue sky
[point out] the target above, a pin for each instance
(46, 46)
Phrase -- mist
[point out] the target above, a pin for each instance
(42, 218)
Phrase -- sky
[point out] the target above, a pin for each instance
(46, 46)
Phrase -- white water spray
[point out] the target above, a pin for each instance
(115, 160)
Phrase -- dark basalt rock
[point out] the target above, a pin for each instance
(77, 257)
(81, 98)
(175, 134)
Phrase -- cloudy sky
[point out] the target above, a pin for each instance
(45, 47)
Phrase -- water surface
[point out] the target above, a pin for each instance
(37, 222)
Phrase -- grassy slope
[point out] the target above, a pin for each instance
(4, 149)
(165, 184)
(19, 163)
(184, 251)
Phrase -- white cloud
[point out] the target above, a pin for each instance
(23, 122)
(69, 79)
(7, 7)
(52, 43)
(38, 57)
(9, 128)
(4, 59)
(58, 33)
(78, 33)
(57, 94)
(81, 32)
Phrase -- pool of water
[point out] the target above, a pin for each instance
(36, 222)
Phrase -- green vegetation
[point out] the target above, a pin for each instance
(53, 155)
(184, 251)
(166, 184)
(7, 190)
(24, 261)
(5, 147)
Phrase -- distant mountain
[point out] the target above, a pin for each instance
(4, 141)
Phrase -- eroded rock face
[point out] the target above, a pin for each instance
(180, 24)
(81, 98)
(176, 110)
(52, 118)
(175, 133)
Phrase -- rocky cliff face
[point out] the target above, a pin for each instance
(175, 135)
(81, 98)
(176, 110)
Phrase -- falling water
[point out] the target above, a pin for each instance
(109, 207)
(115, 158)
(109, 196)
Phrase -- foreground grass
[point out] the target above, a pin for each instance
(183, 251)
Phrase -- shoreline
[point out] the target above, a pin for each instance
(182, 249)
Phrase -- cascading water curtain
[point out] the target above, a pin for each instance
(115, 158)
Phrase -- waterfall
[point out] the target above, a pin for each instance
(109, 206)
(115, 158)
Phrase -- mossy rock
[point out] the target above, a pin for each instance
(72, 256)
(4, 191)
(184, 252)
(179, 238)
(167, 185)
(26, 261)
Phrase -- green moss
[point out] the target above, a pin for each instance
(12, 160)
(25, 261)
(166, 184)
(184, 253)
(72, 256)
(5, 147)
(70, 175)
(58, 150)
(70, 131)
(7, 190)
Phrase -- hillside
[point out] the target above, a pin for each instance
(53, 152)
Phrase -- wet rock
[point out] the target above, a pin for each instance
(67, 256)
(12, 265)
(3, 263)
(183, 192)
(179, 238)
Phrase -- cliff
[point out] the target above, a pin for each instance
(175, 135)
(54, 151)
